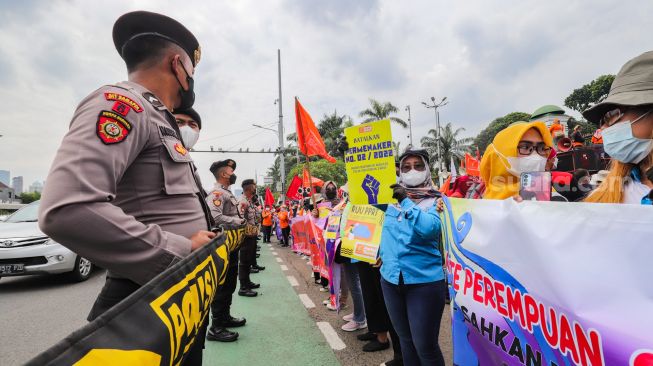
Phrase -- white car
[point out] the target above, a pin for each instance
(25, 250)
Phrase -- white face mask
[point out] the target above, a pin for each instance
(413, 178)
(523, 164)
(189, 136)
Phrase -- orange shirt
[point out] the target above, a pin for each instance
(284, 219)
(267, 218)
(556, 127)
(597, 138)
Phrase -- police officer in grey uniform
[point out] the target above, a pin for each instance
(248, 249)
(190, 125)
(122, 188)
(225, 211)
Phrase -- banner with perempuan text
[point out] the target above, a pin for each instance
(157, 324)
(545, 283)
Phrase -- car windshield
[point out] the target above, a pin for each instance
(29, 213)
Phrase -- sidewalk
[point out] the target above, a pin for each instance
(279, 331)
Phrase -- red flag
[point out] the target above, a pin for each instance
(308, 137)
(269, 198)
(293, 189)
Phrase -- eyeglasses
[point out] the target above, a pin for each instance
(420, 167)
(613, 117)
(526, 148)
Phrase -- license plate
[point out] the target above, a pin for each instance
(11, 268)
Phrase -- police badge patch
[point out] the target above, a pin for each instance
(112, 128)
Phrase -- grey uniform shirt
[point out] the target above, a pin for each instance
(250, 212)
(121, 190)
(224, 206)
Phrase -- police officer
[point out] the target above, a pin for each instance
(190, 124)
(122, 190)
(224, 209)
(248, 249)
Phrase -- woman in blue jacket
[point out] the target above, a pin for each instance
(412, 278)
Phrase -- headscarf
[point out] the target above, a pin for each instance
(424, 190)
(336, 200)
(461, 186)
(501, 184)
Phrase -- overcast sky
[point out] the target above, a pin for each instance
(488, 57)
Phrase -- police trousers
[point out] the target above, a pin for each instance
(117, 289)
(221, 305)
(247, 260)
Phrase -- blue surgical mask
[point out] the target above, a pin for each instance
(620, 144)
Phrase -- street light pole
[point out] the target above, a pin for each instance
(281, 145)
(410, 126)
(435, 107)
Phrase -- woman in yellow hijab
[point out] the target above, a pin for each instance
(520, 147)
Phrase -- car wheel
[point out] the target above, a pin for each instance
(82, 270)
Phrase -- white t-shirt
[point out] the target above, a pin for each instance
(634, 192)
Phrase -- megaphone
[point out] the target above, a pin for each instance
(564, 144)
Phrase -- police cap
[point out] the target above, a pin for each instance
(138, 24)
(190, 112)
(222, 163)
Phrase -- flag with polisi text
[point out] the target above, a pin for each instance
(309, 139)
(157, 324)
(549, 284)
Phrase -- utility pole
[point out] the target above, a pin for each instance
(410, 127)
(435, 106)
(281, 144)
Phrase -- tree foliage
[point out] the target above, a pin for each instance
(589, 94)
(379, 111)
(322, 169)
(29, 197)
(485, 137)
(451, 144)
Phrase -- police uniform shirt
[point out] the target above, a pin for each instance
(122, 190)
(224, 206)
(249, 211)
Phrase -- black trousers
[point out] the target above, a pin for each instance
(221, 305)
(247, 258)
(117, 289)
(267, 233)
(378, 320)
(285, 232)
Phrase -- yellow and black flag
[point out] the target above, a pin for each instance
(157, 324)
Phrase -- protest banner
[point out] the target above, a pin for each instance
(370, 163)
(362, 234)
(157, 324)
(544, 283)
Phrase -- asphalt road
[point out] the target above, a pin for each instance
(38, 311)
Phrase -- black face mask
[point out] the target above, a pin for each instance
(187, 96)
(232, 179)
(330, 194)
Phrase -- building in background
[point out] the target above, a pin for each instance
(36, 187)
(4, 177)
(6, 193)
(17, 185)
(550, 112)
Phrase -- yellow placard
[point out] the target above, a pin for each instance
(361, 236)
(370, 163)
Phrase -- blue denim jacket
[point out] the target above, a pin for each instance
(410, 243)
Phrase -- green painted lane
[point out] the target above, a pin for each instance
(279, 330)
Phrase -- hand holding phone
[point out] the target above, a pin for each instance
(535, 186)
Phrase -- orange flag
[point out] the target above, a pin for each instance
(308, 137)
(306, 179)
(472, 166)
(445, 186)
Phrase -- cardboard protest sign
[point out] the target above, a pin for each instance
(362, 232)
(370, 163)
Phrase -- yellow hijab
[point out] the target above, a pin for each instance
(499, 183)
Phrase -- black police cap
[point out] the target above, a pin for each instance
(222, 163)
(247, 182)
(144, 23)
(190, 112)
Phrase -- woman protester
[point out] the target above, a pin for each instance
(626, 120)
(412, 277)
(284, 224)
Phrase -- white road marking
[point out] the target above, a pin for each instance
(279, 260)
(308, 303)
(331, 336)
(274, 254)
(293, 281)
(284, 267)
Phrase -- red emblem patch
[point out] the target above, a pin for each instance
(121, 98)
(217, 202)
(112, 128)
(180, 149)
(121, 108)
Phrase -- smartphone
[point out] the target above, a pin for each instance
(535, 186)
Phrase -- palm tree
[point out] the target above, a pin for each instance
(450, 144)
(379, 111)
